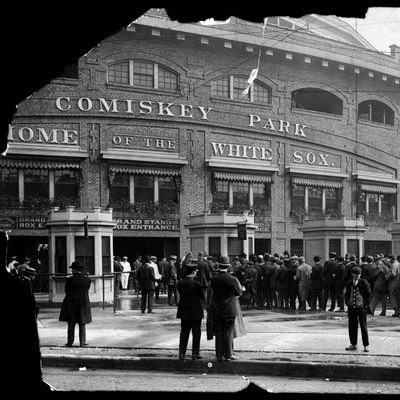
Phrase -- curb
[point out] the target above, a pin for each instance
(254, 367)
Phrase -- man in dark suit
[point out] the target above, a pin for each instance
(357, 297)
(329, 273)
(225, 288)
(190, 311)
(203, 274)
(146, 279)
(75, 308)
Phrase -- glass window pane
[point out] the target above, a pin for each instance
(240, 193)
(9, 182)
(298, 197)
(144, 188)
(106, 255)
(315, 199)
(167, 189)
(167, 79)
(261, 195)
(65, 184)
(120, 188)
(373, 201)
(221, 194)
(119, 73)
(239, 84)
(361, 203)
(261, 93)
(84, 253)
(61, 255)
(143, 74)
(36, 183)
(332, 199)
(220, 88)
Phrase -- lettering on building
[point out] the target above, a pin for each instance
(26, 134)
(147, 224)
(241, 151)
(282, 126)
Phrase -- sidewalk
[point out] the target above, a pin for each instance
(280, 343)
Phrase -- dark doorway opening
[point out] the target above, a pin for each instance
(133, 246)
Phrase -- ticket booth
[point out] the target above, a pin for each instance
(87, 237)
(222, 233)
(340, 235)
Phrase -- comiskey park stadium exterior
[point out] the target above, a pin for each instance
(221, 137)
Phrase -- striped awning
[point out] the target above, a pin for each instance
(316, 182)
(136, 170)
(378, 189)
(38, 164)
(237, 177)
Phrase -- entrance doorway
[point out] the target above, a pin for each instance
(35, 248)
(155, 246)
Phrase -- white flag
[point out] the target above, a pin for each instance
(253, 75)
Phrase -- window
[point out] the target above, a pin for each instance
(84, 253)
(376, 204)
(243, 195)
(141, 73)
(315, 200)
(36, 183)
(375, 111)
(314, 99)
(106, 254)
(167, 189)
(144, 188)
(221, 194)
(261, 195)
(240, 193)
(232, 87)
(61, 255)
(119, 73)
(120, 188)
(65, 184)
(9, 182)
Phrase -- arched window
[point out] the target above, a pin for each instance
(375, 111)
(141, 73)
(314, 99)
(232, 87)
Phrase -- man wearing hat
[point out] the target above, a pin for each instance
(225, 288)
(190, 311)
(203, 274)
(357, 297)
(329, 273)
(75, 308)
(126, 266)
(171, 279)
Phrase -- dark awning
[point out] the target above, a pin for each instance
(38, 164)
(316, 182)
(238, 177)
(378, 189)
(136, 170)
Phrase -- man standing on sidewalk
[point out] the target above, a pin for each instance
(146, 279)
(190, 311)
(358, 295)
(126, 272)
(225, 288)
(329, 273)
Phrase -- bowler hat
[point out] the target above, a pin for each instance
(356, 270)
(224, 261)
(332, 254)
(76, 265)
(190, 268)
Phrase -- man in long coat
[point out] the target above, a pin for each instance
(190, 311)
(146, 279)
(76, 308)
(225, 288)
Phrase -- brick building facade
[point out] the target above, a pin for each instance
(153, 124)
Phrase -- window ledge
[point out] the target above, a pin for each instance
(127, 88)
(240, 102)
(316, 113)
(374, 124)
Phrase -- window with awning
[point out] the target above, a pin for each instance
(378, 189)
(38, 164)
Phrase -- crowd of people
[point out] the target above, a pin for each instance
(221, 287)
(277, 281)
